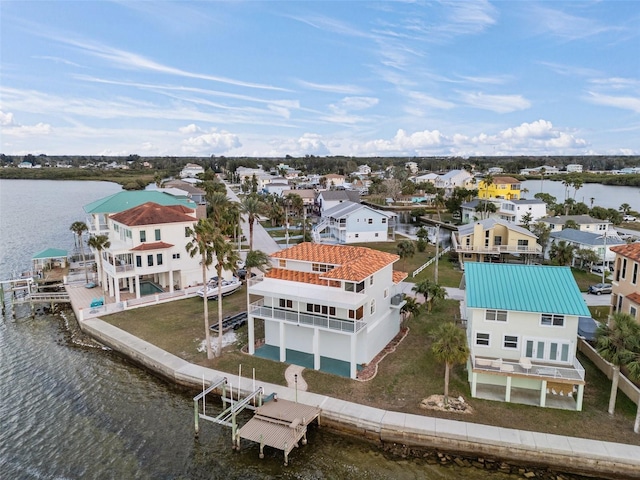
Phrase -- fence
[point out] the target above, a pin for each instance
(418, 270)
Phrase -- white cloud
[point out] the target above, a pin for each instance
(6, 118)
(355, 103)
(626, 103)
(333, 88)
(213, 142)
(36, 130)
(429, 101)
(307, 144)
(496, 103)
(189, 129)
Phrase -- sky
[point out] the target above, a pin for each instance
(359, 78)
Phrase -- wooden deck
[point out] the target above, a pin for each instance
(279, 424)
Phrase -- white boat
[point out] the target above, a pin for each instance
(228, 287)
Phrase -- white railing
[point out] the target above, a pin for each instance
(419, 269)
(500, 249)
(543, 371)
(328, 322)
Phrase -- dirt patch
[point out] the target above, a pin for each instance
(455, 405)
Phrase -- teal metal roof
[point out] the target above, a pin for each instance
(50, 253)
(121, 201)
(525, 288)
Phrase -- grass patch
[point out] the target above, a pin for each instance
(585, 279)
(600, 313)
(405, 376)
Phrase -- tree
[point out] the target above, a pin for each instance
(625, 208)
(577, 185)
(487, 181)
(449, 347)
(485, 206)
(571, 224)
(586, 257)
(434, 294)
(439, 202)
(259, 260)
(99, 243)
(542, 172)
(252, 206)
(562, 253)
(79, 228)
(547, 198)
(201, 243)
(410, 308)
(543, 232)
(226, 259)
(406, 249)
(526, 220)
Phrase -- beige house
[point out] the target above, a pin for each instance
(489, 239)
(626, 280)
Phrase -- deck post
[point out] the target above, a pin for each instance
(224, 396)
(286, 455)
(234, 429)
(261, 447)
(196, 416)
(579, 397)
(507, 396)
(543, 393)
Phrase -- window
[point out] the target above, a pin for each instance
(359, 287)
(376, 234)
(624, 268)
(349, 287)
(373, 306)
(321, 267)
(602, 226)
(371, 280)
(633, 311)
(496, 316)
(143, 235)
(157, 234)
(523, 244)
(159, 259)
(284, 303)
(386, 292)
(483, 339)
(497, 240)
(187, 231)
(510, 341)
(150, 260)
(370, 221)
(552, 320)
(634, 275)
(176, 256)
(384, 220)
(282, 263)
(357, 235)
(138, 261)
(357, 314)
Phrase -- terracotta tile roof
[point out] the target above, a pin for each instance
(505, 180)
(630, 250)
(399, 276)
(634, 297)
(152, 246)
(351, 263)
(151, 213)
(304, 277)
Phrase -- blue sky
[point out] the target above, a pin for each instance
(320, 78)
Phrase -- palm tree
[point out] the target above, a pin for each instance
(449, 347)
(562, 253)
(439, 202)
(406, 249)
(435, 293)
(252, 206)
(217, 203)
(255, 259)
(488, 181)
(542, 172)
(422, 288)
(625, 208)
(577, 185)
(79, 228)
(619, 343)
(99, 243)
(410, 308)
(202, 244)
(227, 259)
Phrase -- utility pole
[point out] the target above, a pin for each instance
(604, 256)
(435, 276)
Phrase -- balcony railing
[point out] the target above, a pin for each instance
(500, 249)
(542, 371)
(300, 318)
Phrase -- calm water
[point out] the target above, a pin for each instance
(73, 412)
(606, 196)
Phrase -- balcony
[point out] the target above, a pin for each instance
(258, 309)
(497, 249)
(533, 370)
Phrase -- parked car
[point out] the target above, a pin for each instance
(242, 274)
(599, 268)
(629, 218)
(600, 288)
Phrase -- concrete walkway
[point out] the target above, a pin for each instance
(293, 375)
(572, 454)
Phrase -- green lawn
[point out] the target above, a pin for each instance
(404, 378)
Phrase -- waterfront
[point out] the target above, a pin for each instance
(607, 196)
(75, 412)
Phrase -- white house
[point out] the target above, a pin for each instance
(350, 222)
(334, 180)
(574, 168)
(583, 240)
(412, 167)
(148, 251)
(191, 170)
(364, 170)
(427, 177)
(585, 223)
(508, 210)
(453, 179)
(277, 187)
(330, 198)
(522, 327)
(327, 307)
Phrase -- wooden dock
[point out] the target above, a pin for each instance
(280, 424)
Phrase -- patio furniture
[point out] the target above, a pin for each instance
(496, 363)
(506, 368)
(525, 364)
(483, 362)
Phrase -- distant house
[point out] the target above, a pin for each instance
(453, 179)
(334, 180)
(597, 242)
(191, 170)
(507, 188)
(194, 193)
(626, 280)
(574, 168)
(495, 170)
(491, 239)
(25, 164)
(522, 328)
(330, 198)
(364, 170)
(412, 167)
(508, 210)
(427, 177)
(548, 170)
(277, 187)
(585, 223)
(328, 307)
(308, 196)
(350, 222)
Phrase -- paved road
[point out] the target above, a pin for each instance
(261, 239)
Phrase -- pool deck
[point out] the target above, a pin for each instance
(566, 454)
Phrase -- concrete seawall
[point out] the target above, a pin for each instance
(566, 454)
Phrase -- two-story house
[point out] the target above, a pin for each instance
(585, 223)
(148, 250)
(191, 170)
(522, 327)
(491, 239)
(350, 222)
(330, 198)
(327, 307)
(625, 297)
(453, 179)
(599, 243)
(510, 210)
(500, 187)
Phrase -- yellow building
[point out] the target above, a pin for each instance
(507, 188)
